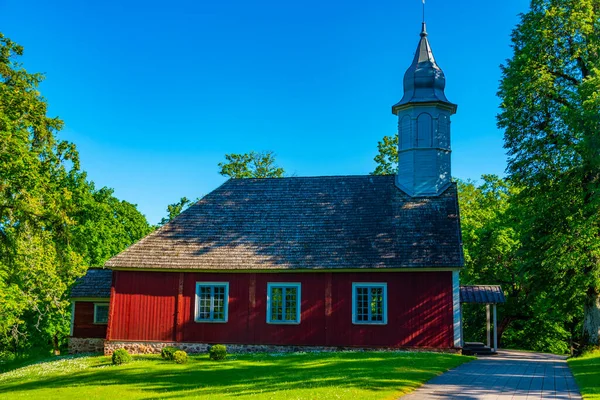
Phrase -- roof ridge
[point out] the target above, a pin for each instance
(309, 177)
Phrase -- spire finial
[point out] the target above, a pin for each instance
(423, 27)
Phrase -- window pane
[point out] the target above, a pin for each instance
(101, 314)
(362, 299)
(204, 296)
(369, 306)
(211, 302)
(291, 302)
(219, 303)
(276, 304)
(284, 304)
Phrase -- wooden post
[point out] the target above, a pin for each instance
(487, 314)
(177, 328)
(73, 317)
(111, 307)
(462, 335)
(251, 331)
(495, 330)
(328, 309)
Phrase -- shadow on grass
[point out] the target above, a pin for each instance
(251, 374)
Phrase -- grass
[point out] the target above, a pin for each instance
(10, 362)
(587, 374)
(345, 375)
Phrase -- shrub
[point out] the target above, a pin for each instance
(180, 357)
(217, 352)
(167, 352)
(120, 356)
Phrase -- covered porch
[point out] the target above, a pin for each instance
(491, 296)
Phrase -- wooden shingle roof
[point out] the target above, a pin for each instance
(337, 222)
(482, 294)
(95, 283)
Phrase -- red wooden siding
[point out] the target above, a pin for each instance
(143, 305)
(146, 306)
(83, 321)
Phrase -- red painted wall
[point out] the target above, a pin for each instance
(149, 306)
(83, 321)
(143, 305)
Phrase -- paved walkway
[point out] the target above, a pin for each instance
(508, 375)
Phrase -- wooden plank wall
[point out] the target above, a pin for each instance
(83, 321)
(143, 305)
(159, 306)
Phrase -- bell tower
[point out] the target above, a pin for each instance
(424, 126)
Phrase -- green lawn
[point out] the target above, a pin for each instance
(587, 374)
(346, 375)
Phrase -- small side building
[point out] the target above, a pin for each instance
(90, 298)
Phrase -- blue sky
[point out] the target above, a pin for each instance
(155, 93)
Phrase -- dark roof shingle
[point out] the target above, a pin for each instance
(338, 222)
(95, 283)
(482, 294)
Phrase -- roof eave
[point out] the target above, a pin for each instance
(403, 105)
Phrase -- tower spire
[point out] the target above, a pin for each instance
(424, 125)
(423, 25)
(424, 80)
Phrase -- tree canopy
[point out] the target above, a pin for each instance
(173, 210)
(53, 222)
(386, 159)
(251, 165)
(550, 113)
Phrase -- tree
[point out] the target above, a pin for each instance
(53, 222)
(387, 157)
(103, 225)
(175, 209)
(251, 165)
(491, 242)
(492, 236)
(550, 113)
(37, 261)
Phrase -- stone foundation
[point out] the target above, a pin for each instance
(86, 345)
(195, 348)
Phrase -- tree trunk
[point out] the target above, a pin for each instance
(591, 318)
(55, 345)
(502, 326)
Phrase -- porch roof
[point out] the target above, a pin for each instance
(482, 294)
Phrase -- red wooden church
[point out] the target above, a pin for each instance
(336, 261)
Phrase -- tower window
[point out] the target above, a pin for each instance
(424, 130)
(405, 132)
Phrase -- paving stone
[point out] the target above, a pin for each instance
(509, 375)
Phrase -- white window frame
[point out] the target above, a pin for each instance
(73, 317)
(298, 286)
(95, 314)
(355, 286)
(226, 305)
